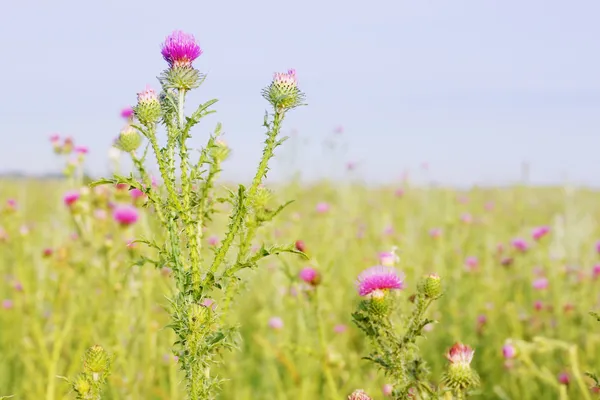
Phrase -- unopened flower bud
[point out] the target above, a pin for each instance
(148, 109)
(81, 386)
(129, 139)
(96, 360)
(359, 395)
(460, 375)
(283, 92)
(431, 286)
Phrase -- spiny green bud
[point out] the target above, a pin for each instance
(283, 92)
(220, 151)
(263, 195)
(181, 77)
(148, 109)
(96, 360)
(379, 304)
(198, 316)
(129, 139)
(431, 286)
(81, 385)
(460, 375)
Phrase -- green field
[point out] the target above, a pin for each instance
(69, 281)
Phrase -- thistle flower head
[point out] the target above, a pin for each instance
(70, 198)
(460, 354)
(359, 394)
(310, 276)
(283, 92)
(127, 112)
(125, 215)
(180, 49)
(509, 351)
(379, 278)
(540, 232)
(276, 323)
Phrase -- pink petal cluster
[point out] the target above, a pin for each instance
(460, 354)
(471, 263)
(127, 112)
(310, 276)
(70, 198)
(509, 351)
(286, 78)
(520, 244)
(540, 232)
(276, 323)
(540, 283)
(379, 278)
(180, 49)
(322, 207)
(147, 95)
(125, 215)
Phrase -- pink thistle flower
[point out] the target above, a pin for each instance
(136, 194)
(540, 232)
(538, 305)
(70, 198)
(379, 278)
(466, 218)
(509, 351)
(340, 328)
(125, 215)
(460, 354)
(310, 276)
(322, 207)
(596, 271)
(11, 204)
(127, 112)
(276, 323)
(81, 150)
(213, 241)
(387, 389)
(388, 258)
(399, 192)
(435, 233)
(55, 139)
(520, 245)
(540, 283)
(209, 303)
(471, 263)
(18, 286)
(359, 395)
(285, 79)
(300, 246)
(47, 252)
(180, 49)
(7, 304)
(564, 378)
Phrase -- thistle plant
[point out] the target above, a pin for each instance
(96, 369)
(398, 355)
(186, 205)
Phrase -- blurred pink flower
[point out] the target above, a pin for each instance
(81, 150)
(598, 247)
(489, 206)
(7, 304)
(340, 328)
(399, 192)
(509, 351)
(520, 244)
(540, 232)
(540, 283)
(136, 194)
(596, 271)
(208, 303)
(471, 263)
(125, 215)
(435, 232)
(379, 278)
(276, 323)
(323, 207)
(564, 378)
(466, 218)
(127, 112)
(213, 241)
(538, 305)
(387, 389)
(70, 198)
(310, 276)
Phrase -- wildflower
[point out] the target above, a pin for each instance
(322, 207)
(388, 258)
(129, 139)
(509, 351)
(459, 375)
(379, 278)
(70, 198)
(359, 394)
(387, 389)
(81, 150)
(431, 286)
(340, 328)
(283, 92)
(471, 263)
(596, 271)
(435, 233)
(506, 261)
(147, 109)
(300, 246)
(180, 49)
(136, 194)
(466, 218)
(399, 192)
(540, 232)
(213, 241)
(598, 247)
(564, 378)
(127, 113)
(11, 205)
(7, 304)
(540, 283)
(538, 305)
(310, 276)
(276, 323)
(125, 215)
(209, 303)
(520, 245)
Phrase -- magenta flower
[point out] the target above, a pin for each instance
(213, 241)
(70, 198)
(55, 138)
(208, 303)
(276, 323)
(509, 351)
(520, 244)
(540, 232)
(540, 283)
(310, 276)
(564, 378)
(322, 207)
(180, 49)
(125, 215)
(596, 271)
(379, 278)
(7, 304)
(81, 150)
(460, 354)
(471, 263)
(538, 305)
(340, 328)
(127, 112)
(136, 194)
(598, 247)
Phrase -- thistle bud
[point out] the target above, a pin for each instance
(283, 92)
(180, 50)
(379, 303)
(82, 386)
(459, 375)
(431, 286)
(359, 394)
(96, 361)
(148, 109)
(129, 139)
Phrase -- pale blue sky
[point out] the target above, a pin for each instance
(473, 87)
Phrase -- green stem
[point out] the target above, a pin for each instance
(322, 342)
